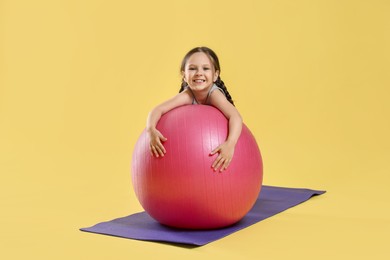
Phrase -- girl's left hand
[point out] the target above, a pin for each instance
(226, 151)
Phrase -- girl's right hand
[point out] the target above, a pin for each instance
(156, 147)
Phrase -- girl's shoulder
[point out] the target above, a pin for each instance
(215, 87)
(184, 97)
(217, 97)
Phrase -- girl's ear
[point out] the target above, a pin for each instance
(183, 76)
(216, 75)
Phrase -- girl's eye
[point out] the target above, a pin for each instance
(191, 68)
(206, 68)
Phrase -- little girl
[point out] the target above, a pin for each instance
(201, 84)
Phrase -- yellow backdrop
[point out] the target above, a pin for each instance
(77, 79)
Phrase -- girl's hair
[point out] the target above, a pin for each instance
(214, 59)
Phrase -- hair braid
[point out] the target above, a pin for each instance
(183, 85)
(221, 85)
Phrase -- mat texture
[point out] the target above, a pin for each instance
(140, 226)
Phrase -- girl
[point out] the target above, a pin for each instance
(200, 79)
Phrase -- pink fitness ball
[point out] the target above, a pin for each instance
(181, 189)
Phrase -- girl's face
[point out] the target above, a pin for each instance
(199, 72)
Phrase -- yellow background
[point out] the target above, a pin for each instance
(77, 79)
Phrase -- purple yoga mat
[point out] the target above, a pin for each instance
(140, 226)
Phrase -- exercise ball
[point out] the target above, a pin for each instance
(181, 189)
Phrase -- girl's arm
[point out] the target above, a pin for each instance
(226, 149)
(156, 138)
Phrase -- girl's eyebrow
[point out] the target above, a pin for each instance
(201, 65)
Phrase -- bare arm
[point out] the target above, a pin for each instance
(226, 149)
(156, 138)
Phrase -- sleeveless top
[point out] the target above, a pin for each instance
(214, 87)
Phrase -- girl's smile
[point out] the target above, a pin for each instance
(199, 81)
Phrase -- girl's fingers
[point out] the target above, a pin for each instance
(219, 161)
(214, 151)
(226, 164)
(160, 151)
(161, 137)
(162, 148)
(216, 161)
(157, 150)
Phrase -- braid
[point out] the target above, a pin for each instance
(221, 85)
(183, 86)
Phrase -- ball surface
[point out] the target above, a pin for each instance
(181, 189)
